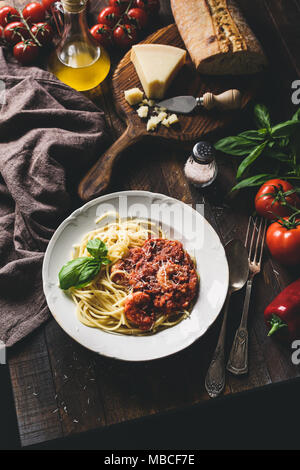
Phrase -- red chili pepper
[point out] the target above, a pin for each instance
(282, 315)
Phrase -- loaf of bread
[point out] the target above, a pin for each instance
(218, 37)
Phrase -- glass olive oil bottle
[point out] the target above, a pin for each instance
(78, 61)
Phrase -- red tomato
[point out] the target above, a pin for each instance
(8, 15)
(151, 6)
(102, 34)
(139, 4)
(26, 52)
(1, 32)
(121, 4)
(271, 201)
(109, 16)
(43, 32)
(34, 12)
(125, 36)
(47, 3)
(284, 242)
(16, 32)
(138, 17)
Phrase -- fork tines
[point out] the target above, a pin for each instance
(255, 237)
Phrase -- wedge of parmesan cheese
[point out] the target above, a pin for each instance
(156, 66)
(143, 111)
(133, 96)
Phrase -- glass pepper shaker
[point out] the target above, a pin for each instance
(201, 167)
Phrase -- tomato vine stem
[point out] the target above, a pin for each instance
(29, 30)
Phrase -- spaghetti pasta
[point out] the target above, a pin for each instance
(101, 304)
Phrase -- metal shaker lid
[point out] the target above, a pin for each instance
(203, 153)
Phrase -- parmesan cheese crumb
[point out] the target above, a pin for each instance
(159, 109)
(162, 115)
(143, 111)
(173, 119)
(153, 123)
(133, 96)
(148, 102)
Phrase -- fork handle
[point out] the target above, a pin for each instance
(215, 377)
(238, 359)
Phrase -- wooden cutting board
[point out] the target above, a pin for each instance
(188, 130)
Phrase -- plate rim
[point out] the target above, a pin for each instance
(73, 215)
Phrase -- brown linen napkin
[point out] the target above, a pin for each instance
(46, 129)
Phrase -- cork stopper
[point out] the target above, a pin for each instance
(73, 6)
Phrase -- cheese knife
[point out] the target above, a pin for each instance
(230, 99)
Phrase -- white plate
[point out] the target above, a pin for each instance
(180, 222)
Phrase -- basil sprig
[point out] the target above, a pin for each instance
(81, 271)
(269, 151)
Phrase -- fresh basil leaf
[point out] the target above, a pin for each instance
(283, 142)
(256, 180)
(256, 135)
(263, 132)
(296, 116)
(285, 129)
(295, 144)
(251, 158)
(238, 146)
(277, 154)
(262, 116)
(78, 272)
(97, 248)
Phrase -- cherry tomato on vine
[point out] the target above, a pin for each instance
(125, 35)
(34, 12)
(16, 32)
(26, 52)
(283, 240)
(43, 32)
(121, 4)
(109, 16)
(8, 15)
(139, 4)
(138, 17)
(47, 3)
(102, 34)
(273, 199)
(151, 6)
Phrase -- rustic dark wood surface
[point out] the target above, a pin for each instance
(191, 128)
(59, 387)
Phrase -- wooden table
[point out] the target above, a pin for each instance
(60, 388)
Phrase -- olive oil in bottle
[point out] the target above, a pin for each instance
(78, 61)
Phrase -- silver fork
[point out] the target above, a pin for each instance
(238, 358)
